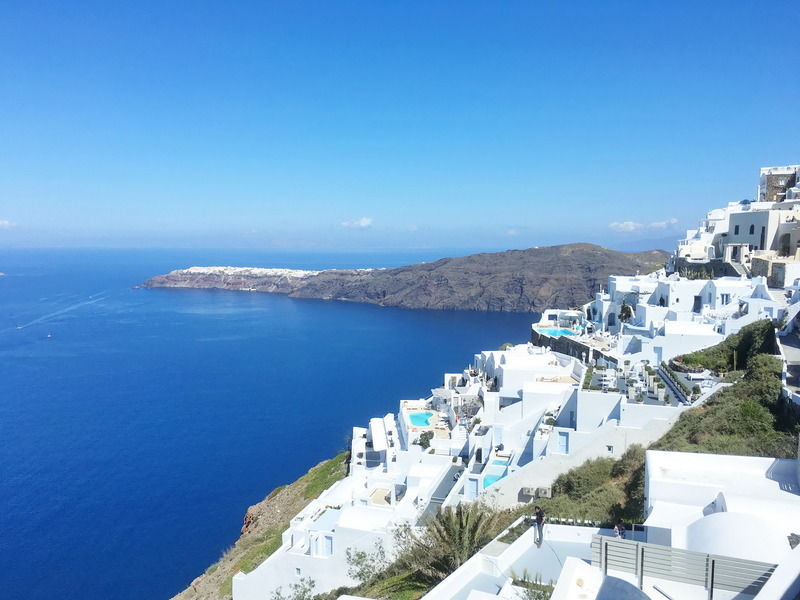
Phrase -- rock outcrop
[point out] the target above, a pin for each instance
(512, 281)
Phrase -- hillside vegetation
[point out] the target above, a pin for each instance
(261, 533)
(748, 418)
(736, 350)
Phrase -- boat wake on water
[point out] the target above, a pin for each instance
(94, 298)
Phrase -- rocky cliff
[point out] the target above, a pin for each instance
(261, 531)
(513, 281)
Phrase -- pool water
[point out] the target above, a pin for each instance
(491, 478)
(420, 419)
(500, 462)
(556, 331)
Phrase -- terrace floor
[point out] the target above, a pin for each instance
(544, 563)
(380, 497)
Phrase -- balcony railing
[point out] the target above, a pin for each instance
(683, 566)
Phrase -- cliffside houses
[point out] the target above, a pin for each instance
(758, 237)
(717, 527)
(589, 384)
(656, 317)
(502, 430)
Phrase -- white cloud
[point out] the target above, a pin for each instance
(631, 226)
(662, 224)
(5, 224)
(361, 223)
(626, 226)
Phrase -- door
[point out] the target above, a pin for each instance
(563, 442)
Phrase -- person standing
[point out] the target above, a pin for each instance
(538, 515)
(619, 530)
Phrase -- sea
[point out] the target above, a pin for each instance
(137, 425)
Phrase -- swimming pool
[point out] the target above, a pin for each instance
(491, 478)
(503, 462)
(420, 419)
(555, 331)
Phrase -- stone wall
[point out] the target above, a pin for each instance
(569, 345)
(717, 268)
(774, 190)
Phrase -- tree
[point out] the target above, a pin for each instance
(302, 590)
(447, 540)
(424, 439)
(366, 566)
(625, 313)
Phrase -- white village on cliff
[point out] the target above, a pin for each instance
(593, 381)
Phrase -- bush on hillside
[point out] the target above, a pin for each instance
(745, 418)
(753, 339)
(580, 481)
(632, 459)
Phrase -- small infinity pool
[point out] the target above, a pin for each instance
(555, 331)
(503, 462)
(420, 419)
(491, 478)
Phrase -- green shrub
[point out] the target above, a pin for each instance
(631, 459)
(753, 339)
(579, 482)
(424, 439)
(745, 418)
(587, 379)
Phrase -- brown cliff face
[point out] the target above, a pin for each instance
(529, 280)
(261, 531)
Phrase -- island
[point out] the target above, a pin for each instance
(528, 280)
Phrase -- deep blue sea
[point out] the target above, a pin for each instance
(136, 426)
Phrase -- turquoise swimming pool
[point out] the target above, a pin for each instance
(555, 331)
(500, 462)
(420, 419)
(491, 478)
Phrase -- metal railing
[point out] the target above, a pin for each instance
(673, 564)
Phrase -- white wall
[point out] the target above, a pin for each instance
(595, 408)
(543, 471)
(638, 415)
(279, 570)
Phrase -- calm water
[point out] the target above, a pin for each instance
(136, 426)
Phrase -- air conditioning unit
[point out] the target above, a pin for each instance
(544, 492)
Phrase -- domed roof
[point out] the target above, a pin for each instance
(737, 535)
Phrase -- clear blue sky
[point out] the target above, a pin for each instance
(365, 125)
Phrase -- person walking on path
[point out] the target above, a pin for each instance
(538, 515)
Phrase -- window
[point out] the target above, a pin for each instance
(725, 298)
(752, 229)
(297, 571)
(736, 230)
(610, 449)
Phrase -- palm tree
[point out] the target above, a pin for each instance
(448, 540)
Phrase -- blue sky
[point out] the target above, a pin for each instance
(356, 125)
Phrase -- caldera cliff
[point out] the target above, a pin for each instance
(512, 281)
